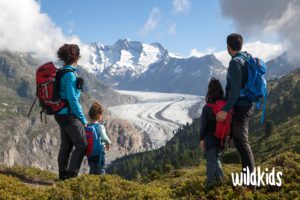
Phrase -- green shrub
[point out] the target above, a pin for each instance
(269, 127)
(232, 157)
(153, 175)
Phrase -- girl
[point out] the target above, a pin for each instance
(208, 142)
(97, 163)
(71, 118)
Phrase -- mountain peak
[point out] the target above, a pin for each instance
(123, 41)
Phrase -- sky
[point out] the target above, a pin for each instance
(179, 25)
(184, 27)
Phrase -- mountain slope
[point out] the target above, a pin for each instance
(280, 66)
(178, 75)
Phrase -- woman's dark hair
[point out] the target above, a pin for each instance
(69, 53)
(215, 91)
(95, 110)
(235, 41)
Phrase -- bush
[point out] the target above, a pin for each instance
(153, 175)
(231, 158)
(269, 127)
(169, 168)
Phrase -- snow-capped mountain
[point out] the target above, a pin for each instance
(178, 75)
(133, 65)
(124, 59)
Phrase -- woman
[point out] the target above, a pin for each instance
(208, 142)
(71, 118)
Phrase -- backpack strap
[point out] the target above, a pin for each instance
(212, 106)
(59, 74)
(264, 107)
(243, 60)
(31, 107)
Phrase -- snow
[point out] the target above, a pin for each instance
(125, 59)
(149, 55)
(123, 56)
(156, 114)
(175, 55)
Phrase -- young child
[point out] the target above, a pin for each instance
(97, 163)
(208, 142)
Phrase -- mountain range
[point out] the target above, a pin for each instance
(134, 65)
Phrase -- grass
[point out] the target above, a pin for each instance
(187, 183)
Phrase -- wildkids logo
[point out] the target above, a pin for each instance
(257, 177)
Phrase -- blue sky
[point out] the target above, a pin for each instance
(184, 27)
(198, 24)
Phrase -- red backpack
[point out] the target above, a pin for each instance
(222, 128)
(47, 90)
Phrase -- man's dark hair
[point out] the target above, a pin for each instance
(235, 41)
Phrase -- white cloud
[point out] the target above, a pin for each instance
(196, 53)
(25, 29)
(181, 6)
(267, 18)
(265, 51)
(172, 29)
(152, 22)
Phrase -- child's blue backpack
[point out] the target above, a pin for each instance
(256, 89)
(94, 146)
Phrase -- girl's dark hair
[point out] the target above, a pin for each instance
(95, 110)
(215, 91)
(69, 53)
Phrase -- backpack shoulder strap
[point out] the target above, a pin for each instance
(60, 72)
(212, 106)
(243, 59)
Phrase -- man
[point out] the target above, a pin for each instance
(236, 80)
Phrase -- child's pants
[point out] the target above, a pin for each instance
(213, 165)
(97, 163)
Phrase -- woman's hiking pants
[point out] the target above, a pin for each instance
(72, 135)
(239, 132)
(214, 170)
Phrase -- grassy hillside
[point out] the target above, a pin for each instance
(183, 149)
(187, 183)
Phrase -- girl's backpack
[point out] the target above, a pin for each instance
(222, 128)
(94, 146)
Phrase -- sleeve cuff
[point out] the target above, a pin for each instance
(226, 108)
(83, 121)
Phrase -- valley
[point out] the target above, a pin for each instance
(157, 115)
